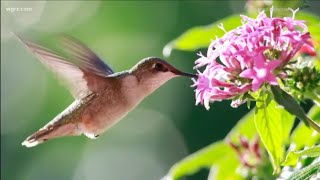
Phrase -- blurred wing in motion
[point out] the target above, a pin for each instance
(84, 57)
(87, 75)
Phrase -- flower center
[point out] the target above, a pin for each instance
(261, 73)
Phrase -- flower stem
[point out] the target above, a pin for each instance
(313, 124)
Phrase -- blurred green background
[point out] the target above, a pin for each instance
(163, 129)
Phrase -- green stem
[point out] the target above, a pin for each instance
(313, 124)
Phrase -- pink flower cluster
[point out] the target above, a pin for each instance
(249, 56)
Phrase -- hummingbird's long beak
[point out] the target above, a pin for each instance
(180, 73)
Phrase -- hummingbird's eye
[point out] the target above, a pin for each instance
(160, 67)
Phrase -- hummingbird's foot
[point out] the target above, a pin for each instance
(91, 135)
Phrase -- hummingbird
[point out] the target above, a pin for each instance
(102, 97)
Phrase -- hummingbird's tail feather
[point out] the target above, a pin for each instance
(51, 132)
(35, 138)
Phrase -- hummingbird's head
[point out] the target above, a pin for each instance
(152, 72)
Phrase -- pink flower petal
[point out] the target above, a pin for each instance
(248, 73)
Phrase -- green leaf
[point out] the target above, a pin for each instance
(226, 169)
(291, 105)
(204, 158)
(306, 173)
(273, 124)
(304, 136)
(293, 156)
(245, 126)
(201, 36)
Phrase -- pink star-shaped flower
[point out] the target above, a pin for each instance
(252, 51)
(261, 72)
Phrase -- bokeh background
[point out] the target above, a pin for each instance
(163, 129)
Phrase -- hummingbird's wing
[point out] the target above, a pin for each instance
(84, 57)
(81, 80)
